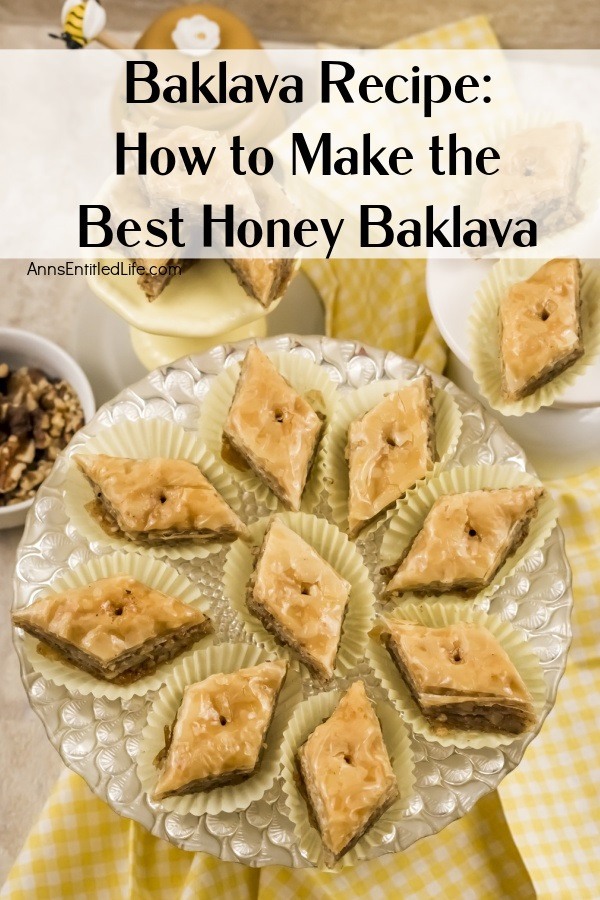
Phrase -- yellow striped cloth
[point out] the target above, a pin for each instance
(536, 837)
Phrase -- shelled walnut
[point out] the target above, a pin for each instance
(38, 417)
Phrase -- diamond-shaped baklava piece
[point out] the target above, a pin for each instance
(273, 428)
(346, 774)
(538, 178)
(117, 629)
(540, 328)
(465, 539)
(264, 279)
(158, 500)
(299, 598)
(460, 676)
(389, 449)
(154, 285)
(220, 731)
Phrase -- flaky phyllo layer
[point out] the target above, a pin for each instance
(273, 428)
(460, 676)
(117, 629)
(346, 774)
(221, 730)
(465, 539)
(389, 449)
(157, 500)
(299, 598)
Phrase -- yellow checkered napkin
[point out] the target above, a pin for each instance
(381, 302)
(81, 849)
(552, 801)
(547, 846)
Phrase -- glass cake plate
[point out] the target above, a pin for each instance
(100, 739)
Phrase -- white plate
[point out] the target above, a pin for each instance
(451, 287)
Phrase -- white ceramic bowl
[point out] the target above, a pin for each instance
(558, 442)
(23, 348)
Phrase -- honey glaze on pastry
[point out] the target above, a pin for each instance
(273, 428)
(156, 500)
(117, 628)
(540, 327)
(346, 773)
(389, 449)
(299, 598)
(220, 731)
(465, 539)
(460, 676)
(264, 279)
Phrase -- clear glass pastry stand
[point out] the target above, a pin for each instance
(154, 350)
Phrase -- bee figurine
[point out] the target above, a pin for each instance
(82, 22)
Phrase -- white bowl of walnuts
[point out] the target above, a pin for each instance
(45, 398)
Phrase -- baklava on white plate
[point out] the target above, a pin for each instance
(540, 328)
(538, 178)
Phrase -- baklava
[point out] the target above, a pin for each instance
(272, 428)
(299, 598)
(345, 774)
(465, 539)
(265, 280)
(540, 328)
(154, 284)
(157, 500)
(460, 676)
(389, 449)
(220, 731)
(116, 629)
(538, 178)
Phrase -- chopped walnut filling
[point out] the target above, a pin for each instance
(38, 417)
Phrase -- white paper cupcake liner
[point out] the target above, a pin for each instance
(214, 659)
(411, 512)
(310, 380)
(484, 335)
(339, 552)
(152, 572)
(438, 615)
(144, 439)
(354, 405)
(305, 719)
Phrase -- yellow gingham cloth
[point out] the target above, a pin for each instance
(546, 847)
